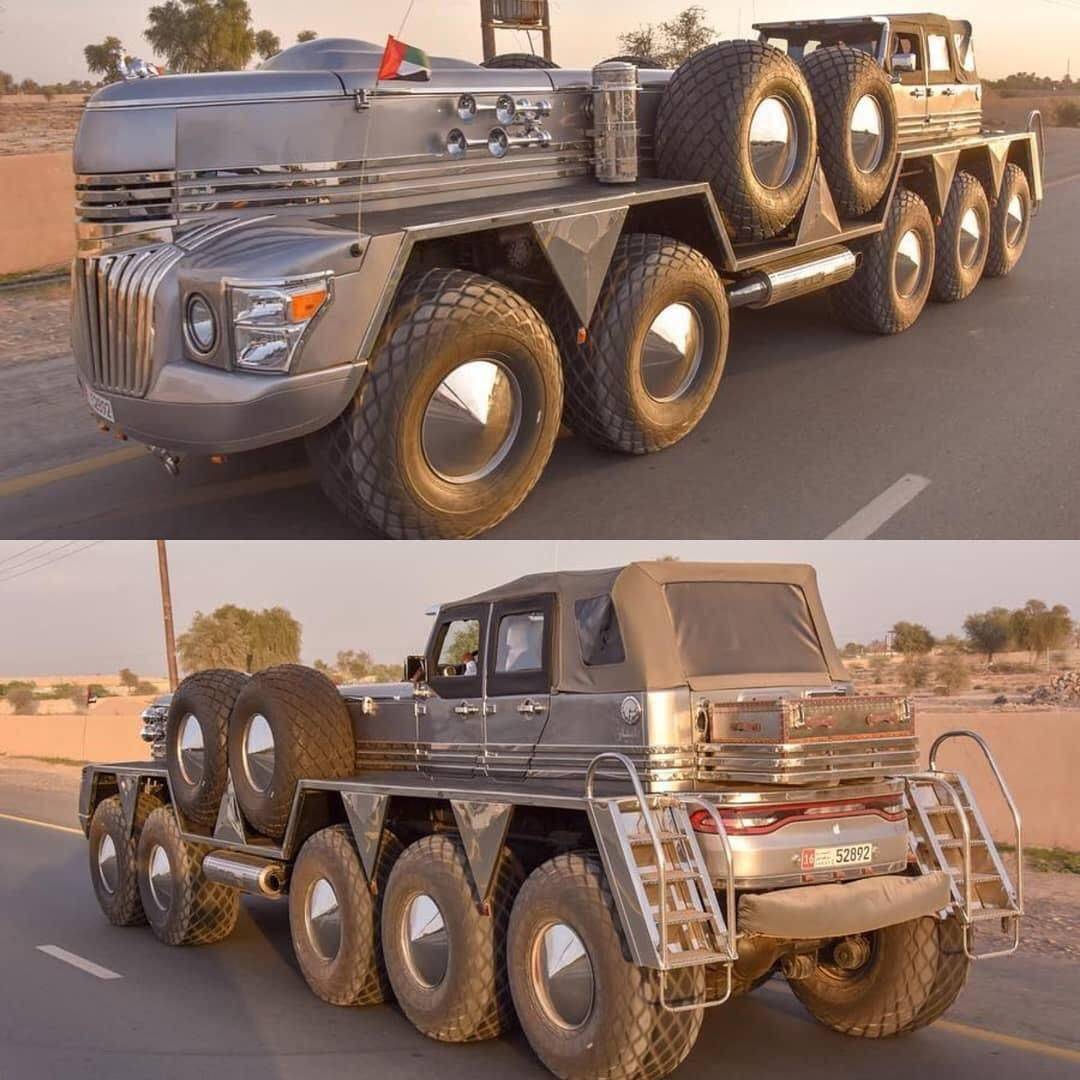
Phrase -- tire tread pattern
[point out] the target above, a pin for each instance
(949, 285)
(126, 904)
(354, 456)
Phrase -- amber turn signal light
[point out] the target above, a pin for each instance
(303, 306)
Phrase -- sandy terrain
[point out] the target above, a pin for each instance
(29, 124)
(35, 323)
(1009, 108)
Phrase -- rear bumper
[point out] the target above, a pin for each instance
(828, 911)
(195, 410)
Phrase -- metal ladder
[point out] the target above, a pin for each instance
(949, 834)
(660, 880)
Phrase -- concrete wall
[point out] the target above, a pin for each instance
(37, 227)
(1039, 753)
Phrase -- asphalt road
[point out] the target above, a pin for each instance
(964, 427)
(240, 1009)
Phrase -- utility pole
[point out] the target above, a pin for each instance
(166, 612)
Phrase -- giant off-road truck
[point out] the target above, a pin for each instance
(600, 804)
(425, 279)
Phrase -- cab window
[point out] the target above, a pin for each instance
(520, 643)
(907, 43)
(458, 654)
(937, 48)
(965, 51)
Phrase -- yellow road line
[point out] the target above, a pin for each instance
(1014, 1042)
(72, 469)
(42, 824)
(1030, 1046)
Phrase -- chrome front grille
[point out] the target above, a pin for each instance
(113, 298)
(124, 208)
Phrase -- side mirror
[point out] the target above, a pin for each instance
(904, 62)
(415, 669)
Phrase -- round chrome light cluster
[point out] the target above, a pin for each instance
(201, 324)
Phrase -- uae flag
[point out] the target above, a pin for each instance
(401, 61)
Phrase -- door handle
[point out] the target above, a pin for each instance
(916, 93)
(530, 708)
(948, 92)
(465, 709)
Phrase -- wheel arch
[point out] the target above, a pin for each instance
(99, 784)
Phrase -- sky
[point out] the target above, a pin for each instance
(100, 609)
(43, 39)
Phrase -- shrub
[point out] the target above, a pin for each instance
(914, 672)
(144, 687)
(878, 666)
(15, 684)
(1068, 114)
(952, 674)
(23, 701)
(98, 691)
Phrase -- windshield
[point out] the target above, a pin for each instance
(737, 627)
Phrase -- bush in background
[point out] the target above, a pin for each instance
(22, 700)
(1068, 114)
(914, 672)
(951, 673)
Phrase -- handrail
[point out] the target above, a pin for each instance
(654, 836)
(963, 733)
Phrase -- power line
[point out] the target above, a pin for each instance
(41, 557)
(52, 561)
(26, 550)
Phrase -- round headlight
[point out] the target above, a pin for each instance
(201, 324)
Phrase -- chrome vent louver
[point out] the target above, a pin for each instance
(124, 208)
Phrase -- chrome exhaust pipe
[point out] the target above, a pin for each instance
(248, 873)
(794, 277)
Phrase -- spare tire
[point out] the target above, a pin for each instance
(196, 741)
(289, 724)
(519, 60)
(857, 127)
(739, 114)
(648, 63)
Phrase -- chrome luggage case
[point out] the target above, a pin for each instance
(807, 740)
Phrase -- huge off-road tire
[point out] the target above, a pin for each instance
(962, 241)
(182, 907)
(113, 858)
(289, 724)
(335, 917)
(857, 128)
(655, 351)
(911, 977)
(1010, 223)
(445, 959)
(456, 418)
(587, 1010)
(950, 976)
(739, 115)
(645, 63)
(890, 289)
(519, 60)
(196, 741)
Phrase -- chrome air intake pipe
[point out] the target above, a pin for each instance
(615, 122)
(794, 277)
(248, 873)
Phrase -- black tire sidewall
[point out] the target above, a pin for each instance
(209, 696)
(526, 457)
(357, 974)
(1001, 258)
(169, 925)
(122, 907)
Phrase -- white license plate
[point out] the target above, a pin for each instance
(836, 858)
(100, 405)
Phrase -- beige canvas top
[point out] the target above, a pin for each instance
(670, 619)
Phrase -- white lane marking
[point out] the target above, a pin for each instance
(878, 511)
(41, 824)
(79, 962)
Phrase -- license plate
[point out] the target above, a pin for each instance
(836, 858)
(100, 405)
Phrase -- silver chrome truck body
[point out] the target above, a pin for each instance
(193, 189)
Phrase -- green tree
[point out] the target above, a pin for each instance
(104, 59)
(306, 35)
(29, 86)
(914, 671)
(951, 673)
(912, 638)
(465, 640)
(1040, 628)
(673, 41)
(202, 35)
(128, 678)
(7, 83)
(988, 631)
(236, 637)
(23, 701)
(267, 44)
